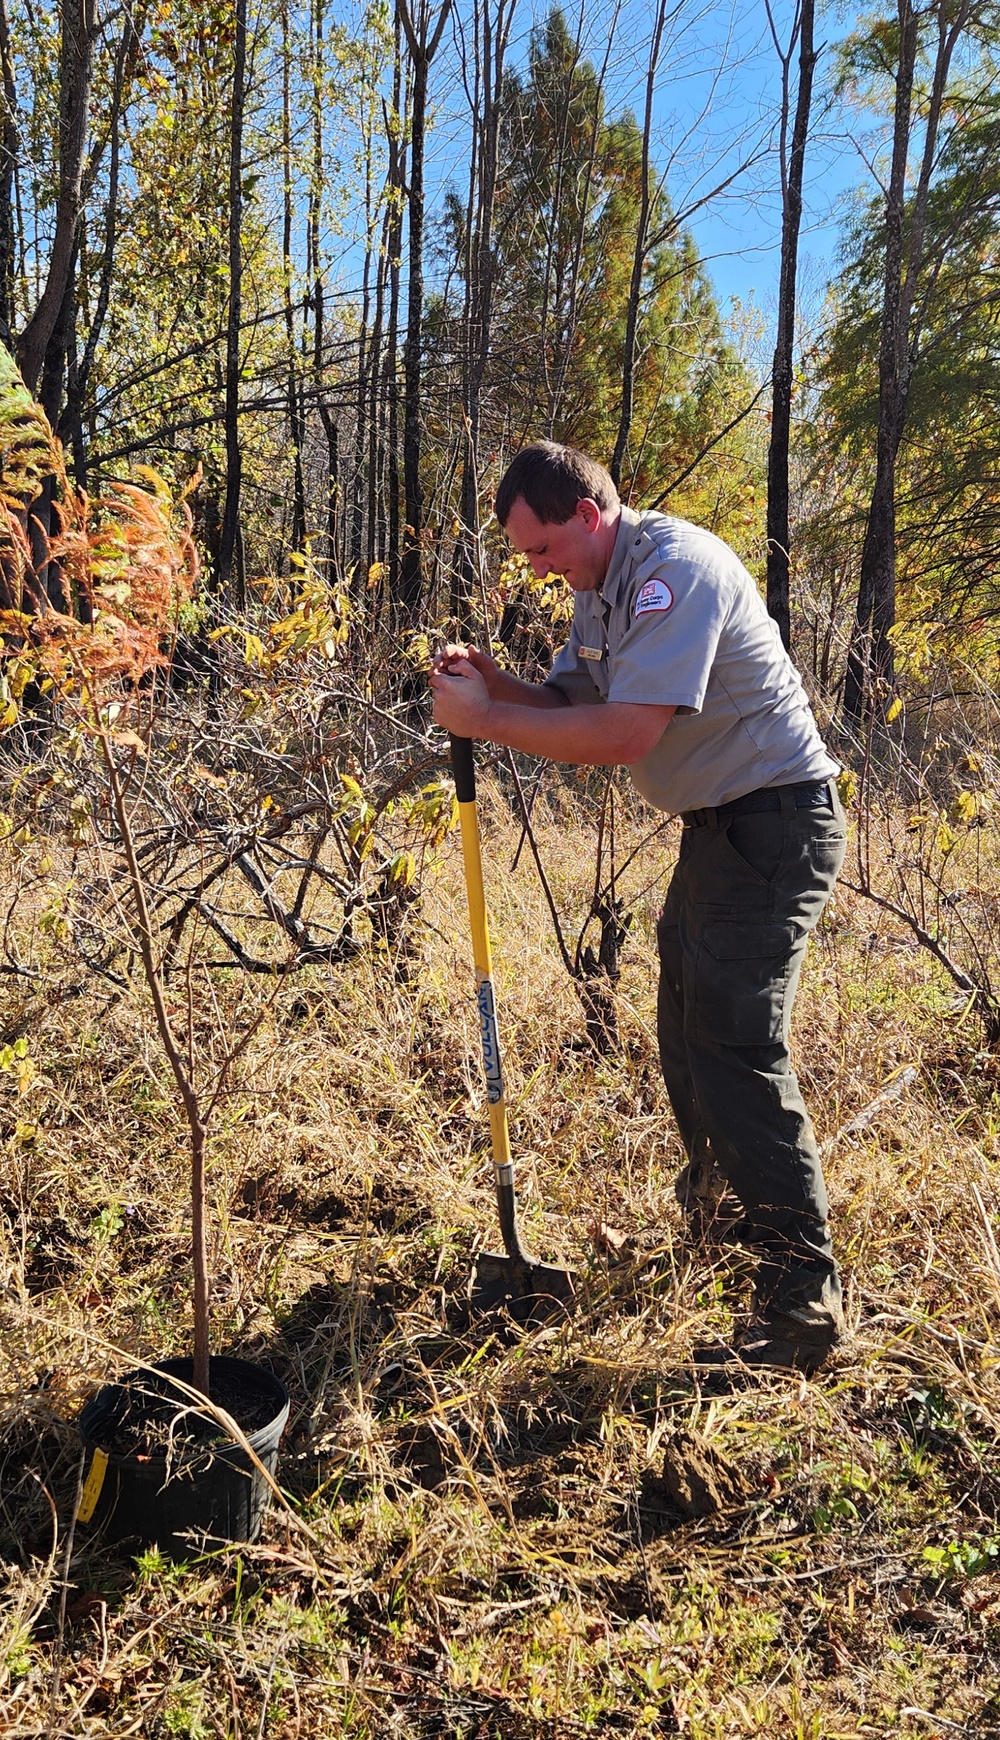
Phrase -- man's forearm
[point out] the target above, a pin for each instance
(586, 736)
(508, 688)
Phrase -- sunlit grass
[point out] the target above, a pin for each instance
(489, 1550)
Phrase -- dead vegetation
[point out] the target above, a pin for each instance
(491, 1533)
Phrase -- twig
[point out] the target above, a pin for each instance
(63, 1598)
(543, 879)
(267, 1696)
(726, 430)
(982, 997)
(938, 1721)
(862, 1119)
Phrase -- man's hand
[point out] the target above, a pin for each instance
(452, 656)
(461, 697)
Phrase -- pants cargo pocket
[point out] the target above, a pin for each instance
(742, 975)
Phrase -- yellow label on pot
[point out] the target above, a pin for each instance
(92, 1486)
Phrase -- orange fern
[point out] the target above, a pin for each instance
(126, 561)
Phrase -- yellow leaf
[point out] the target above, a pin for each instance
(946, 840)
(894, 711)
(847, 787)
(403, 868)
(966, 806)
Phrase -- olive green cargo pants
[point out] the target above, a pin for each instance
(745, 894)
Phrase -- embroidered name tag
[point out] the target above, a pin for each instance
(591, 652)
(654, 595)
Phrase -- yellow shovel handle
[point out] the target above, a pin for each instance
(465, 791)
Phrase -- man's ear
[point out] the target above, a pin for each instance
(589, 512)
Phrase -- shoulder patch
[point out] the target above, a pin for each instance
(653, 595)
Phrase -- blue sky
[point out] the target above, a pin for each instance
(717, 102)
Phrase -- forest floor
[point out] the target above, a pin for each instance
(480, 1537)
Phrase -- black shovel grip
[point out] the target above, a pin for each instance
(464, 768)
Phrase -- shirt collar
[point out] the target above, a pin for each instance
(628, 528)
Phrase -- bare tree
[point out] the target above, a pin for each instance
(295, 418)
(229, 539)
(646, 200)
(491, 34)
(423, 32)
(9, 140)
(792, 164)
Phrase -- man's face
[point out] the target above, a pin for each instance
(576, 549)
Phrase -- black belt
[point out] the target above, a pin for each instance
(812, 796)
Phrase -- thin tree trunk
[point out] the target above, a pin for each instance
(411, 577)
(423, 45)
(197, 1130)
(335, 555)
(487, 99)
(361, 384)
(392, 478)
(50, 387)
(76, 70)
(298, 535)
(376, 433)
(9, 147)
(639, 257)
(234, 452)
(870, 674)
(78, 376)
(778, 527)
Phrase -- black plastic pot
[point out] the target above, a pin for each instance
(209, 1490)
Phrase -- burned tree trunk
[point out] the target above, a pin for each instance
(229, 540)
(422, 42)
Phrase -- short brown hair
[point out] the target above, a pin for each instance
(550, 479)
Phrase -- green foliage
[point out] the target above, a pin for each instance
(16, 1061)
(25, 439)
(963, 1559)
(948, 501)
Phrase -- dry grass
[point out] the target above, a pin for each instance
(490, 1550)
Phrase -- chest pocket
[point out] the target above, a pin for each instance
(597, 637)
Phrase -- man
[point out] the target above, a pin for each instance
(674, 668)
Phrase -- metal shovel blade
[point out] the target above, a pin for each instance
(528, 1292)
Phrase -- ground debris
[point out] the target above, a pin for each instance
(699, 1480)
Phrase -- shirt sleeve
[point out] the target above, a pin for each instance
(676, 613)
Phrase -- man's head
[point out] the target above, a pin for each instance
(561, 510)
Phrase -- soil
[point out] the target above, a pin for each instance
(698, 1478)
(149, 1418)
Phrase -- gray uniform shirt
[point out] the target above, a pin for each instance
(680, 623)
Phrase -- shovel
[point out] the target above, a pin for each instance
(512, 1280)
